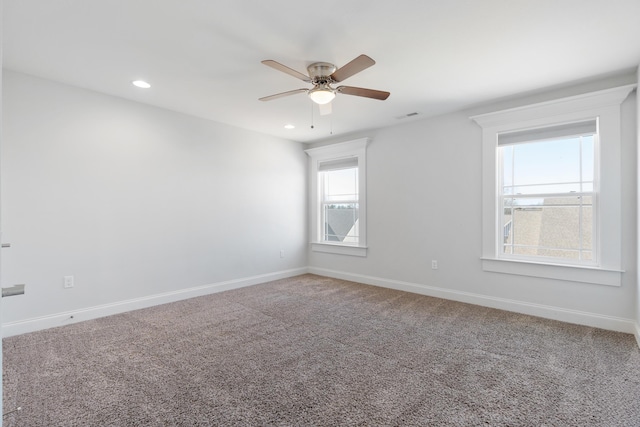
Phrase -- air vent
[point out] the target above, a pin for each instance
(407, 115)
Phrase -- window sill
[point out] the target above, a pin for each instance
(572, 273)
(339, 249)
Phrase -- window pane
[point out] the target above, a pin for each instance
(587, 227)
(340, 185)
(560, 227)
(340, 222)
(548, 162)
(507, 166)
(588, 156)
(507, 225)
(548, 226)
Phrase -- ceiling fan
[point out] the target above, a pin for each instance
(322, 75)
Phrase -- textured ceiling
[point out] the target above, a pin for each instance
(202, 57)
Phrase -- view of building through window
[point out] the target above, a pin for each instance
(339, 199)
(547, 198)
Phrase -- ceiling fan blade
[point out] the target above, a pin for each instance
(367, 93)
(355, 66)
(278, 66)
(325, 109)
(283, 94)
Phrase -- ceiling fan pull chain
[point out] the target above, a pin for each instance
(312, 115)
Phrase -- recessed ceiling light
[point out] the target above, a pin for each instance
(289, 127)
(141, 83)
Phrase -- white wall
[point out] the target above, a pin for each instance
(1, 283)
(136, 201)
(424, 203)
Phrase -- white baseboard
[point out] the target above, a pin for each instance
(68, 317)
(550, 312)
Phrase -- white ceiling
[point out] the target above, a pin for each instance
(202, 57)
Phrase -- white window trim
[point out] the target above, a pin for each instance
(604, 105)
(356, 148)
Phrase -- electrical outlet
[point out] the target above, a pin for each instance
(68, 281)
(281, 253)
(434, 264)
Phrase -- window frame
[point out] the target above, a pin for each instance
(533, 138)
(335, 152)
(325, 203)
(602, 105)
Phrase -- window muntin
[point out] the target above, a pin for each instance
(546, 194)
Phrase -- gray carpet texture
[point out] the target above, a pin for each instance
(316, 351)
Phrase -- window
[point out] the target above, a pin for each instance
(338, 208)
(547, 182)
(552, 189)
(339, 200)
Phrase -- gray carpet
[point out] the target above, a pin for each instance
(314, 351)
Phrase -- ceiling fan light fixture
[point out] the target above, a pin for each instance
(322, 94)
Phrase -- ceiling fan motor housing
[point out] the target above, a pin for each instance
(320, 72)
